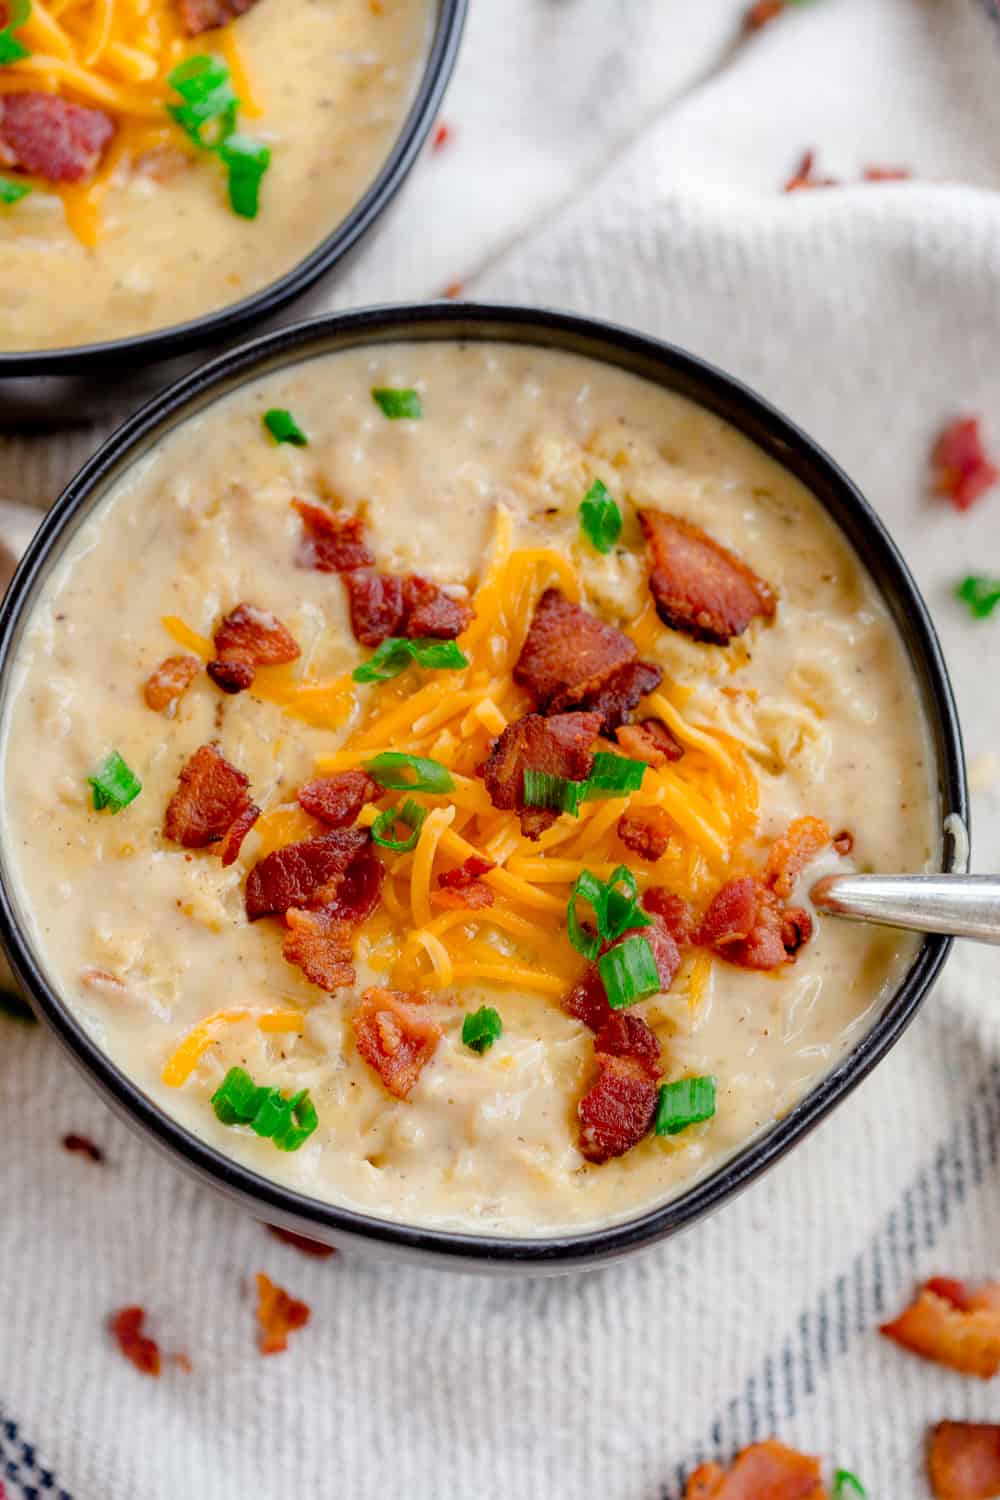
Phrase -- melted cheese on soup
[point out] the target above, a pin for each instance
(814, 714)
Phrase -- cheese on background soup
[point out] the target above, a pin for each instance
(806, 719)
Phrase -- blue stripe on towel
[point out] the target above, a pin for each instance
(22, 1474)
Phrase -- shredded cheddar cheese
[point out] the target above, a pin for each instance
(182, 1063)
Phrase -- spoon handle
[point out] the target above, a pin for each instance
(961, 905)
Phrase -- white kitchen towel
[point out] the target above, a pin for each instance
(643, 151)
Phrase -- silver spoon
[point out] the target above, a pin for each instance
(965, 906)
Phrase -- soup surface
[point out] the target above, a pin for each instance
(796, 748)
(127, 225)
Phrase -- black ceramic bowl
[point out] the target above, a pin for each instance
(676, 371)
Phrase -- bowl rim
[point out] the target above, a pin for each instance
(163, 344)
(673, 369)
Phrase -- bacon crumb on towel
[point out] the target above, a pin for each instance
(618, 1110)
(762, 13)
(205, 15)
(294, 875)
(300, 1242)
(650, 740)
(963, 1460)
(793, 851)
(805, 176)
(171, 680)
(442, 136)
(699, 587)
(331, 543)
(886, 174)
(337, 800)
(83, 1146)
(953, 1326)
(394, 1037)
(765, 1471)
(49, 137)
(464, 886)
(211, 795)
(278, 1315)
(320, 945)
(646, 831)
(558, 746)
(962, 470)
(126, 1325)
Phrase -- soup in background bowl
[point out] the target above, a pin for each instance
(419, 742)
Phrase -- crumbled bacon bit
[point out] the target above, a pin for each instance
(672, 910)
(182, 1362)
(887, 174)
(746, 924)
(698, 586)
(962, 470)
(765, 1471)
(232, 839)
(953, 1326)
(464, 886)
(231, 674)
(355, 896)
(796, 930)
(126, 1325)
(793, 851)
(571, 659)
(84, 1146)
(278, 1315)
(650, 740)
(429, 612)
(587, 1000)
(330, 543)
(454, 291)
(206, 15)
(394, 1037)
(337, 800)
(294, 875)
(321, 947)
(559, 746)
(762, 13)
(376, 604)
(805, 176)
(647, 831)
(49, 137)
(248, 638)
(300, 1242)
(843, 842)
(442, 137)
(963, 1460)
(623, 1035)
(618, 1110)
(211, 795)
(171, 680)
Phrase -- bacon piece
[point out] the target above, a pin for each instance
(232, 839)
(231, 674)
(394, 1037)
(211, 795)
(650, 740)
(278, 1315)
(559, 746)
(294, 875)
(587, 1000)
(618, 1110)
(962, 470)
(746, 924)
(52, 138)
(205, 15)
(84, 1146)
(321, 947)
(793, 851)
(571, 659)
(646, 831)
(376, 604)
(300, 1242)
(796, 930)
(673, 911)
(442, 135)
(762, 14)
(887, 174)
(337, 800)
(330, 543)
(698, 586)
(126, 1325)
(171, 680)
(354, 897)
(429, 612)
(623, 1035)
(843, 841)
(765, 1471)
(963, 1460)
(248, 638)
(805, 176)
(464, 886)
(953, 1326)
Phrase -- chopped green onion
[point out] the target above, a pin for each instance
(206, 88)
(115, 784)
(12, 1005)
(12, 192)
(409, 773)
(12, 50)
(395, 655)
(412, 814)
(982, 595)
(287, 1122)
(614, 911)
(481, 1029)
(398, 404)
(689, 1101)
(844, 1483)
(246, 161)
(613, 776)
(283, 427)
(622, 911)
(587, 888)
(600, 518)
(629, 972)
(541, 789)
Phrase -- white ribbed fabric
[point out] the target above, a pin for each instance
(620, 159)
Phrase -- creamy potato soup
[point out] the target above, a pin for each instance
(185, 153)
(554, 696)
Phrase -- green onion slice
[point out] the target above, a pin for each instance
(689, 1101)
(613, 776)
(10, 191)
(845, 1483)
(586, 888)
(206, 88)
(397, 404)
(115, 784)
(412, 814)
(481, 1029)
(600, 518)
(283, 427)
(246, 161)
(287, 1122)
(982, 595)
(629, 972)
(615, 911)
(409, 773)
(12, 50)
(541, 789)
(395, 655)
(621, 908)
